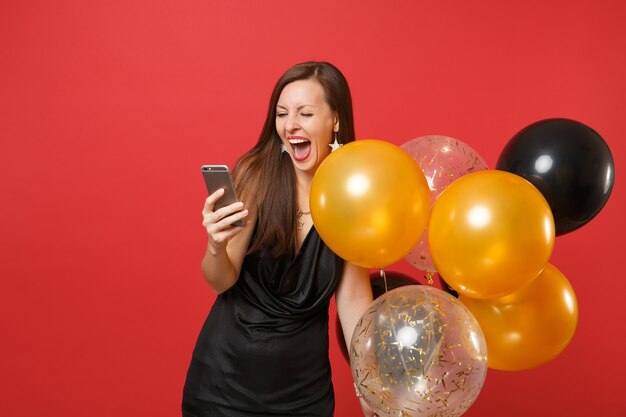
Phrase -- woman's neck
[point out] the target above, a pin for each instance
(303, 187)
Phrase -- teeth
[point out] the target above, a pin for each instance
(297, 141)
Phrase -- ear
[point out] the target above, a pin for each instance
(336, 125)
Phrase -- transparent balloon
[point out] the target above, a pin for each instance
(443, 160)
(418, 351)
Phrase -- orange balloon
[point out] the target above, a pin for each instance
(490, 233)
(369, 202)
(531, 326)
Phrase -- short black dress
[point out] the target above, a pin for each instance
(263, 350)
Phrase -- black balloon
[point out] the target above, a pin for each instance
(569, 163)
(394, 280)
(447, 288)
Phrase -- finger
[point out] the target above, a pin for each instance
(221, 237)
(229, 221)
(229, 210)
(214, 225)
(209, 203)
(210, 219)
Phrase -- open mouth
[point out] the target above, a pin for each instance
(301, 148)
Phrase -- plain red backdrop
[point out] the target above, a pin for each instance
(108, 109)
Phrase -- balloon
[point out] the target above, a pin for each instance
(531, 326)
(417, 351)
(447, 288)
(394, 280)
(384, 281)
(369, 201)
(569, 163)
(490, 233)
(443, 160)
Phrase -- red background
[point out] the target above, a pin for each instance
(108, 109)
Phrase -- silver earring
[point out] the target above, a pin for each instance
(335, 145)
(283, 148)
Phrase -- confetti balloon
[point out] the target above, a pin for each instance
(381, 282)
(418, 351)
(443, 160)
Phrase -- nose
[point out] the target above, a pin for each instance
(292, 124)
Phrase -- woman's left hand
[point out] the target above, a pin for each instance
(367, 410)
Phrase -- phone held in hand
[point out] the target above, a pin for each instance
(216, 177)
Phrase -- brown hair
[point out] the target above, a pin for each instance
(265, 177)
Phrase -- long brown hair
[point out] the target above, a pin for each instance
(265, 177)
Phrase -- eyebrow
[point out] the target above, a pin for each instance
(298, 108)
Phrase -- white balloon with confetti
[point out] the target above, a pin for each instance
(443, 160)
(418, 351)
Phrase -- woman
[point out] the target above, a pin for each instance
(263, 350)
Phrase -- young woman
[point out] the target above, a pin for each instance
(263, 350)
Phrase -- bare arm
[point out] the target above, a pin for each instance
(227, 244)
(353, 297)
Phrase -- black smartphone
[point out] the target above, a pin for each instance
(216, 177)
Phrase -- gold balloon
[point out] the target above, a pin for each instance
(370, 202)
(531, 326)
(490, 233)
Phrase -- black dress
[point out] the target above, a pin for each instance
(263, 350)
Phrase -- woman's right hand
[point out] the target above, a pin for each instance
(219, 223)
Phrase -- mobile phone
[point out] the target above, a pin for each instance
(216, 177)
